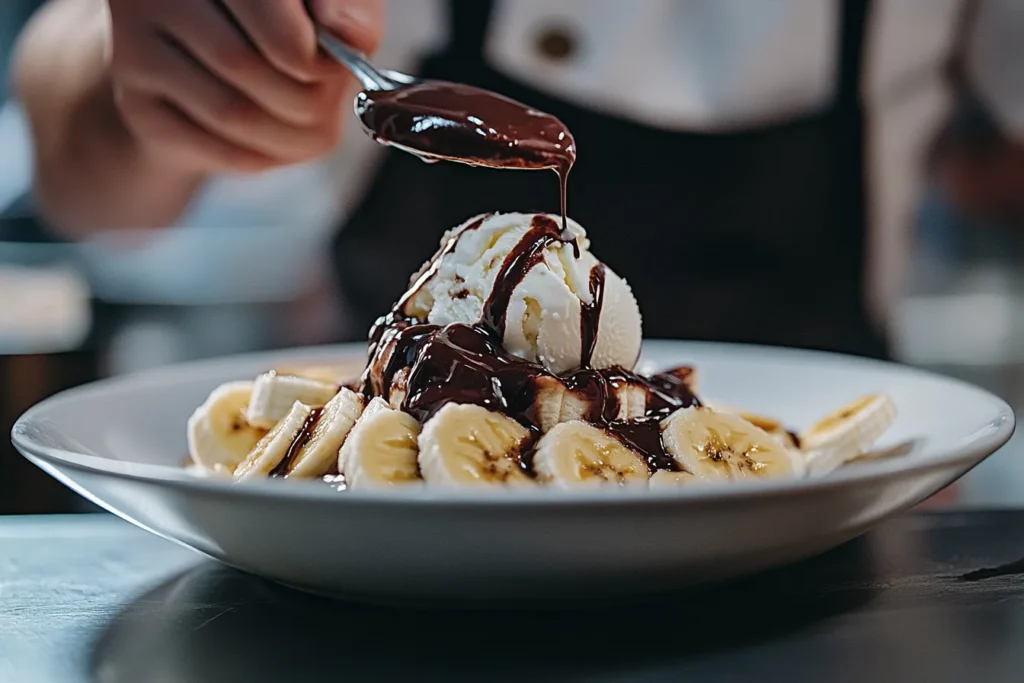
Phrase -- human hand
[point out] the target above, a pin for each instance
(234, 85)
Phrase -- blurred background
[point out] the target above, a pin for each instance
(72, 313)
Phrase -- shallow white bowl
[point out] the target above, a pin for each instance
(121, 443)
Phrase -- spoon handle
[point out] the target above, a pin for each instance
(354, 61)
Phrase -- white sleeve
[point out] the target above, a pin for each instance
(995, 61)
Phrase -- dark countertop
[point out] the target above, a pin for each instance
(90, 598)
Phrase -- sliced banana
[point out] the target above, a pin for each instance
(269, 451)
(574, 408)
(333, 373)
(664, 479)
(575, 454)
(686, 374)
(382, 448)
(632, 401)
(773, 427)
(468, 445)
(273, 396)
(399, 389)
(219, 436)
(319, 455)
(554, 403)
(547, 404)
(768, 424)
(714, 445)
(847, 433)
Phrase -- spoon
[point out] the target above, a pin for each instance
(441, 120)
(355, 61)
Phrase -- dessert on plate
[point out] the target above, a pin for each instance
(509, 362)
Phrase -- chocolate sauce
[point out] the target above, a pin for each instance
(590, 315)
(461, 363)
(466, 364)
(527, 253)
(300, 440)
(388, 327)
(644, 435)
(669, 390)
(437, 119)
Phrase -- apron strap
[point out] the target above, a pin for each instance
(851, 51)
(468, 21)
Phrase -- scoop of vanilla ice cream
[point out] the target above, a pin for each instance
(543, 317)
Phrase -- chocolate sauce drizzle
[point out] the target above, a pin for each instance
(441, 120)
(590, 316)
(523, 257)
(459, 363)
(300, 440)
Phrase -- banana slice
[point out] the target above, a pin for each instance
(663, 479)
(333, 373)
(768, 424)
(686, 374)
(269, 451)
(547, 404)
(274, 394)
(847, 433)
(632, 401)
(399, 389)
(219, 436)
(319, 455)
(468, 445)
(715, 446)
(773, 427)
(554, 403)
(575, 454)
(381, 450)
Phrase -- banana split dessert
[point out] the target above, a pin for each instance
(509, 362)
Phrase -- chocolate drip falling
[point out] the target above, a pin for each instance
(457, 122)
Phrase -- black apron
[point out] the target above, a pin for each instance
(753, 236)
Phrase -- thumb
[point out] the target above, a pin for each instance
(360, 23)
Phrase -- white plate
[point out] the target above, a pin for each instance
(121, 442)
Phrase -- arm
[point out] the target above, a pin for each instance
(133, 103)
(86, 159)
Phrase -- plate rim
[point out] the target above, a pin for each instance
(967, 452)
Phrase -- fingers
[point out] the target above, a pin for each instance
(164, 127)
(163, 71)
(211, 37)
(360, 23)
(282, 31)
(241, 81)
